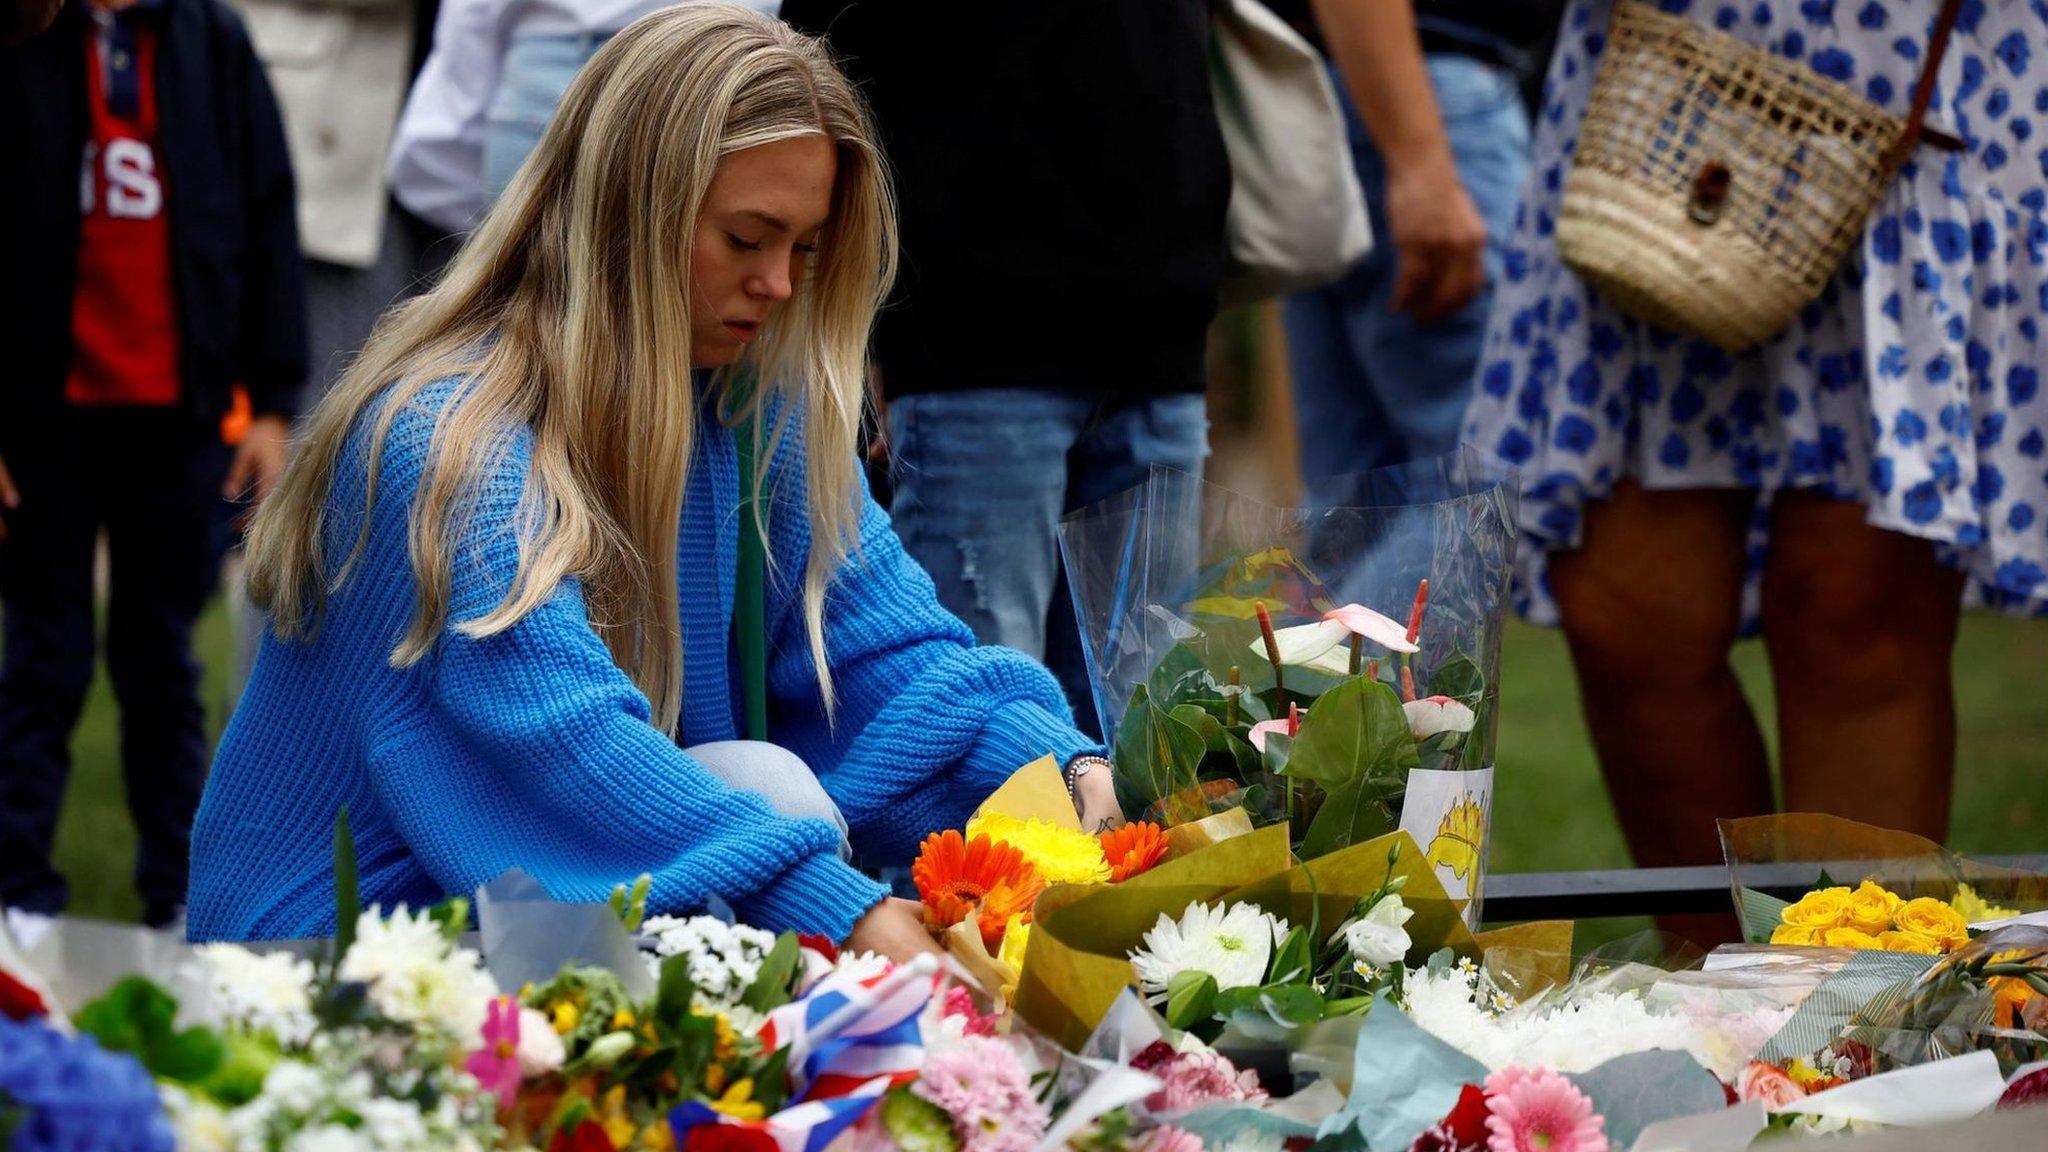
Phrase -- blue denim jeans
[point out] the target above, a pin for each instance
(982, 478)
(1373, 387)
(536, 72)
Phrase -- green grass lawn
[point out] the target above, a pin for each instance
(1550, 811)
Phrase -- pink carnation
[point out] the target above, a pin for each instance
(960, 1002)
(980, 1084)
(1193, 1079)
(1538, 1110)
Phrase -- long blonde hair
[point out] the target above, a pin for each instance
(569, 313)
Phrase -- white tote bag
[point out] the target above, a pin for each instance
(1297, 215)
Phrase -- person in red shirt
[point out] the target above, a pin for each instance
(150, 291)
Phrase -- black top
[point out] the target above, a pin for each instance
(228, 186)
(1062, 185)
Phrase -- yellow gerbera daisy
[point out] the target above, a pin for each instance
(1061, 855)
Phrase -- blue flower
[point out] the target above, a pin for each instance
(2021, 576)
(2020, 516)
(1514, 447)
(2033, 444)
(1989, 486)
(1950, 240)
(78, 1095)
(1686, 403)
(1498, 378)
(1879, 89)
(1820, 12)
(1884, 240)
(1583, 385)
(1674, 452)
(1835, 64)
(1947, 470)
(1576, 434)
(1807, 458)
(1881, 475)
(2014, 53)
(1891, 363)
(1990, 430)
(1908, 428)
(1939, 369)
(1788, 401)
(1923, 503)
(1871, 15)
(2022, 383)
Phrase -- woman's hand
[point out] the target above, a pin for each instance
(1095, 798)
(895, 929)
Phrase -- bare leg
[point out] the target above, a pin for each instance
(1861, 627)
(1652, 603)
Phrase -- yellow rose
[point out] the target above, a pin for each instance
(1930, 917)
(1871, 908)
(1848, 938)
(1909, 942)
(1796, 935)
(1824, 908)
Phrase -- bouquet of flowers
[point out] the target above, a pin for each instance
(1909, 895)
(1334, 671)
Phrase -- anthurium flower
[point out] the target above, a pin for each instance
(1289, 726)
(1433, 714)
(1313, 645)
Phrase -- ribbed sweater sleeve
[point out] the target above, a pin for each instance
(927, 724)
(531, 749)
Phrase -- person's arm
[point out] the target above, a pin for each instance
(927, 724)
(437, 157)
(531, 749)
(1438, 235)
(273, 353)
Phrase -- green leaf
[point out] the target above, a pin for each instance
(771, 1083)
(136, 1016)
(674, 992)
(1292, 1004)
(770, 989)
(1158, 757)
(1292, 960)
(1190, 999)
(348, 888)
(1352, 814)
(1356, 730)
(187, 1057)
(1460, 679)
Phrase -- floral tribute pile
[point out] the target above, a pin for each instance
(1227, 998)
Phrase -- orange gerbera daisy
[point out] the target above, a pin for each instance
(957, 877)
(1132, 849)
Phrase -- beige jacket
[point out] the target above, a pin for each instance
(340, 69)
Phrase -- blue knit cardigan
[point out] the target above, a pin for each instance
(531, 749)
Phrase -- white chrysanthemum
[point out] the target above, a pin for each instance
(724, 959)
(395, 1125)
(416, 977)
(858, 966)
(1233, 943)
(1572, 1034)
(264, 992)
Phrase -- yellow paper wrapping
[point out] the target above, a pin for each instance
(963, 942)
(1077, 963)
(1037, 791)
(1181, 839)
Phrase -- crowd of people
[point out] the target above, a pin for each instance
(418, 239)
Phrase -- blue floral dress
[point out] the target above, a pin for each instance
(1913, 385)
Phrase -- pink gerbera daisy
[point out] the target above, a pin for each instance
(1538, 1110)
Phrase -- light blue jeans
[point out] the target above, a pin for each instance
(982, 478)
(1373, 387)
(536, 72)
(779, 775)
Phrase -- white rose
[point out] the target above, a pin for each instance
(1378, 937)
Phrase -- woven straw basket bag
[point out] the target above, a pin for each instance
(1716, 186)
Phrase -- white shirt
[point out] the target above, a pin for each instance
(437, 159)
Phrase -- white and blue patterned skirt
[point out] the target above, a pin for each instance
(1913, 385)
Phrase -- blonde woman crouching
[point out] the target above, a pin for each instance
(501, 568)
